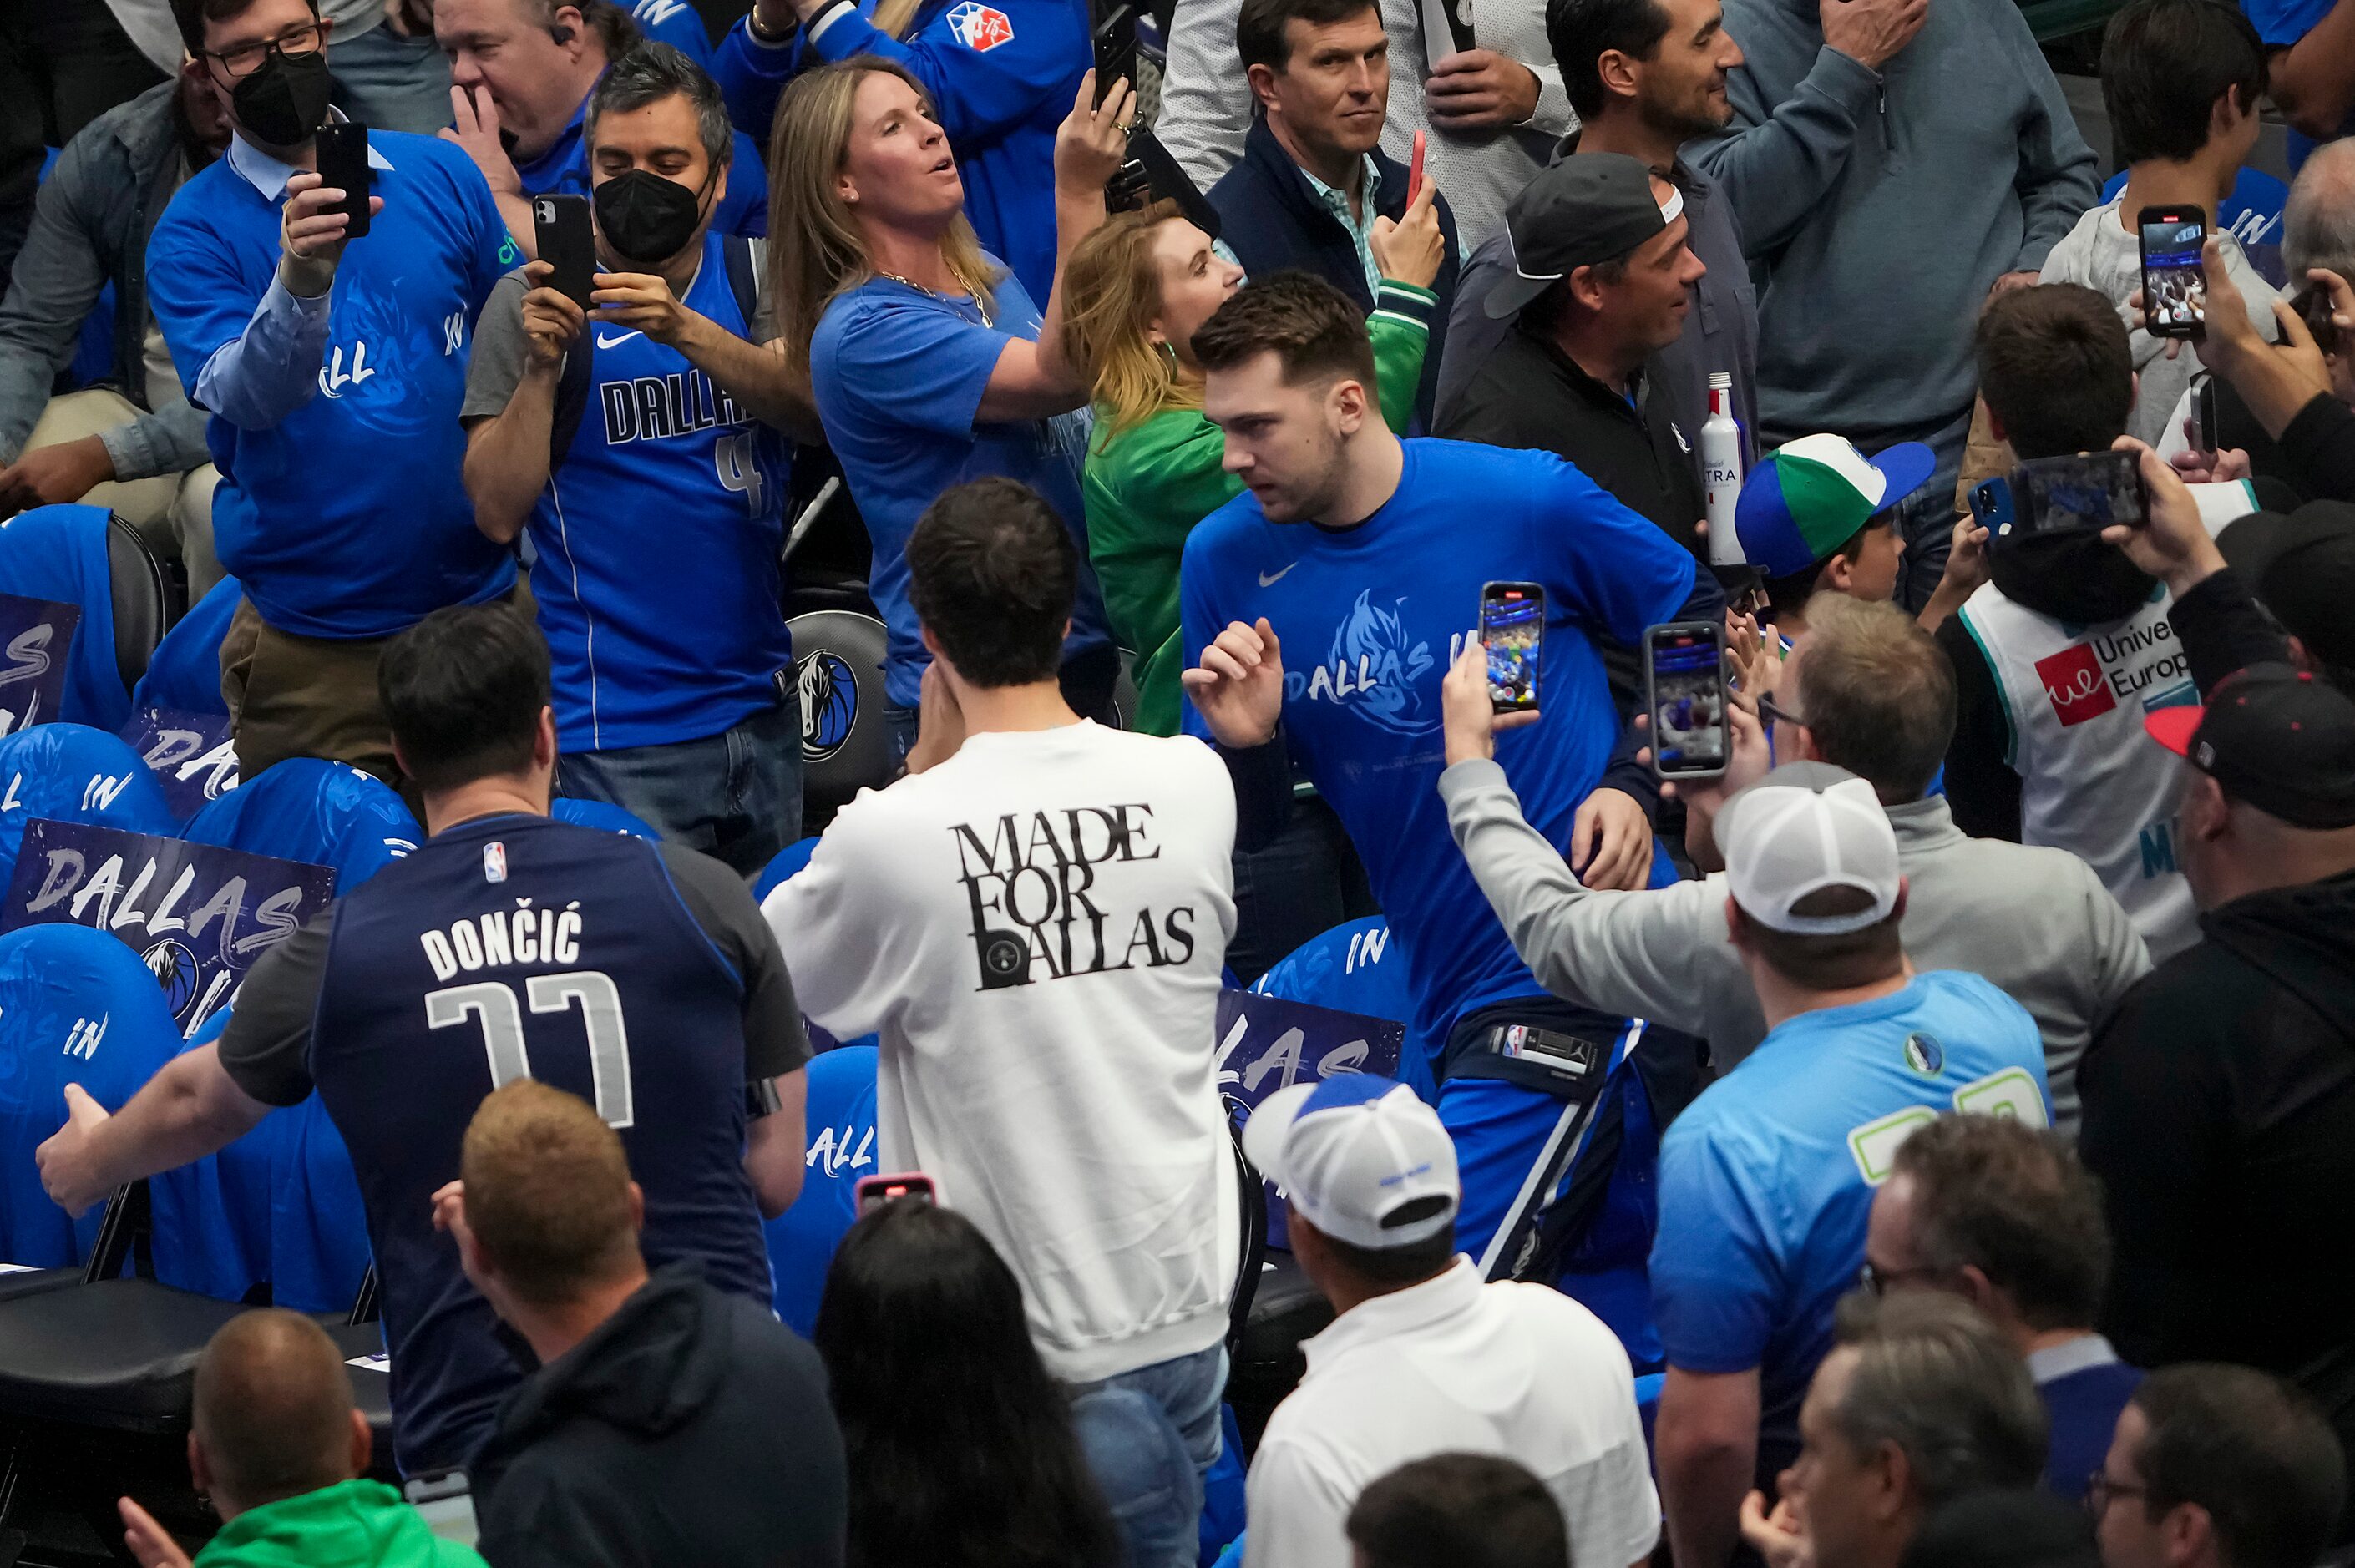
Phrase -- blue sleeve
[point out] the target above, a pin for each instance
(986, 64)
(1609, 564)
(1716, 1272)
(678, 24)
(2281, 22)
(752, 75)
(913, 367)
(1199, 618)
(200, 299)
(491, 252)
(746, 210)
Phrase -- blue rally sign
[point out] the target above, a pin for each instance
(1266, 1044)
(199, 914)
(35, 635)
(192, 755)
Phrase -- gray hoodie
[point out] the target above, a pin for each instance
(2035, 922)
(1881, 207)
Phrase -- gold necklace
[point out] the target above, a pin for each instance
(972, 295)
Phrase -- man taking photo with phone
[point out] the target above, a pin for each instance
(673, 666)
(332, 370)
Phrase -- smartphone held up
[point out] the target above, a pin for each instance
(1512, 628)
(1684, 692)
(343, 156)
(2174, 288)
(560, 228)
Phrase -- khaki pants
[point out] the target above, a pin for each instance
(172, 511)
(312, 696)
(1984, 458)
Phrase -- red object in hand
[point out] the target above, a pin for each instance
(1414, 170)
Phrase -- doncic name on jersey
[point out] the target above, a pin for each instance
(1031, 882)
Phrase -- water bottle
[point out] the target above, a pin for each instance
(1721, 464)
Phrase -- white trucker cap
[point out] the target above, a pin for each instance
(1805, 827)
(1352, 1152)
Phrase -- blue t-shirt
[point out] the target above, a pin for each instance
(58, 553)
(2280, 24)
(657, 537)
(72, 773)
(75, 1007)
(601, 814)
(184, 673)
(1001, 74)
(900, 374)
(563, 170)
(1766, 1179)
(346, 518)
(1370, 617)
(678, 24)
(319, 813)
(839, 1127)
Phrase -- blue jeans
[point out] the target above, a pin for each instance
(1925, 519)
(736, 796)
(1159, 1506)
(389, 82)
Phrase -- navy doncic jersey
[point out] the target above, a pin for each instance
(658, 534)
(513, 947)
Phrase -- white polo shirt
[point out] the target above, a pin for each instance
(1455, 1365)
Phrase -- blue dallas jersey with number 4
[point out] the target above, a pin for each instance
(657, 536)
(1369, 619)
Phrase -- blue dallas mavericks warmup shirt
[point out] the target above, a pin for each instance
(1766, 1179)
(899, 373)
(1370, 617)
(345, 517)
(657, 533)
(636, 975)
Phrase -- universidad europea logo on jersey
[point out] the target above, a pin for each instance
(2074, 681)
(980, 27)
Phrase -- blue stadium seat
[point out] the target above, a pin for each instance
(840, 1128)
(76, 1006)
(325, 813)
(72, 773)
(80, 556)
(1352, 968)
(184, 671)
(280, 1207)
(788, 861)
(600, 814)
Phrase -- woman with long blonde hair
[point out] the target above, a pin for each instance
(999, 76)
(1137, 289)
(928, 361)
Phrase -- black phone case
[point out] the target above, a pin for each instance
(1652, 700)
(342, 154)
(1115, 49)
(566, 245)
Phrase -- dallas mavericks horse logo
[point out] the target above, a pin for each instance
(829, 692)
(174, 968)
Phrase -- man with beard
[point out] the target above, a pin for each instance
(2059, 656)
(320, 357)
(1645, 76)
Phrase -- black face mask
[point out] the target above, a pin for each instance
(2077, 577)
(284, 100)
(646, 218)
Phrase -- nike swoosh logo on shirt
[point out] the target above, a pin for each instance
(1269, 580)
(604, 342)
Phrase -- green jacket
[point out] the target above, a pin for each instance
(354, 1524)
(1146, 487)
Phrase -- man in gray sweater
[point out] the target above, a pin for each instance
(1868, 691)
(1894, 161)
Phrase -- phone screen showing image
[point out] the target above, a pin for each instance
(2081, 492)
(2174, 290)
(1512, 627)
(1686, 678)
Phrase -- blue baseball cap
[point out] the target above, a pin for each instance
(1805, 500)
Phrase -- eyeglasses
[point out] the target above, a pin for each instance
(1879, 1281)
(1774, 713)
(244, 60)
(2101, 1490)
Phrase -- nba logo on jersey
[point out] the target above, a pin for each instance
(2073, 681)
(979, 27)
(494, 862)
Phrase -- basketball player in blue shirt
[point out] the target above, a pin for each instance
(641, 448)
(333, 368)
(638, 976)
(1363, 556)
